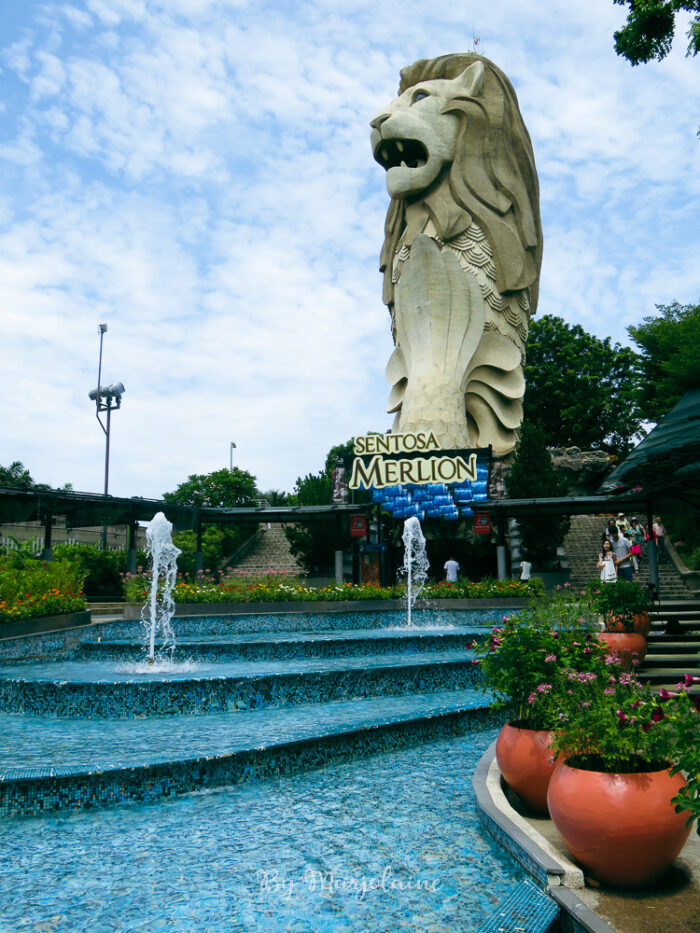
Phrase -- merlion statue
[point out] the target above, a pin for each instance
(462, 250)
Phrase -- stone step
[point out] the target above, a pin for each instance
(668, 643)
(666, 678)
(684, 660)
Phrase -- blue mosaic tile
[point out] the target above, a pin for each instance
(387, 843)
(525, 910)
(105, 692)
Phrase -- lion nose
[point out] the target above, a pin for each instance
(377, 121)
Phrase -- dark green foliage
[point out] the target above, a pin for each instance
(580, 390)
(275, 497)
(217, 544)
(670, 345)
(314, 544)
(16, 475)
(103, 568)
(532, 476)
(648, 33)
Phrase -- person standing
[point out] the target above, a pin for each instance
(637, 536)
(607, 531)
(451, 569)
(622, 523)
(606, 564)
(660, 536)
(622, 549)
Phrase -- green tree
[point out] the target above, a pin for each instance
(670, 345)
(648, 33)
(532, 476)
(275, 497)
(220, 489)
(580, 390)
(225, 489)
(16, 474)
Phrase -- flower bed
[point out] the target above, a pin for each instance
(274, 588)
(32, 589)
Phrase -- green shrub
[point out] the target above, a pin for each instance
(103, 570)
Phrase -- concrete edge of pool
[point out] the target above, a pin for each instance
(556, 875)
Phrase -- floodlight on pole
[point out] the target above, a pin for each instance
(107, 399)
(233, 447)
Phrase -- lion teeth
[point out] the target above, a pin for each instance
(385, 155)
(399, 145)
(403, 164)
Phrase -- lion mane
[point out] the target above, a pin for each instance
(492, 179)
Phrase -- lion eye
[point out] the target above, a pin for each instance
(419, 95)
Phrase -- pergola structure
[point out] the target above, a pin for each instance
(85, 510)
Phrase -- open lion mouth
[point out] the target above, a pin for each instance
(390, 153)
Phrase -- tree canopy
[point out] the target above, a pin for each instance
(648, 33)
(670, 345)
(580, 390)
(16, 474)
(220, 489)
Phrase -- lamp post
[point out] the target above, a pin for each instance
(106, 399)
(232, 448)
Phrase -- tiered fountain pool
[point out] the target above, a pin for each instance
(281, 771)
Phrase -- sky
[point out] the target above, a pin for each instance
(197, 174)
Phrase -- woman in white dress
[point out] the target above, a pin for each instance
(606, 564)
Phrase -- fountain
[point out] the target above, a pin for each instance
(415, 562)
(158, 612)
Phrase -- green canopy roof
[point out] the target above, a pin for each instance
(667, 460)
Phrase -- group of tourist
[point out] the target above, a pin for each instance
(622, 547)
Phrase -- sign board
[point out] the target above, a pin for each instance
(358, 526)
(482, 523)
(411, 475)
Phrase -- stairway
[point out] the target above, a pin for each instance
(673, 645)
(267, 551)
(582, 546)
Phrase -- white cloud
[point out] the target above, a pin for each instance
(198, 174)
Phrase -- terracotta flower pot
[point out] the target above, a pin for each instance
(621, 828)
(526, 763)
(642, 624)
(627, 645)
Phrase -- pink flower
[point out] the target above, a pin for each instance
(622, 716)
(550, 657)
(609, 690)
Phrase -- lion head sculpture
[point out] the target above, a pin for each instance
(461, 171)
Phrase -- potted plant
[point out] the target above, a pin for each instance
(613, 792)
(625, 608)
(520, 663)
